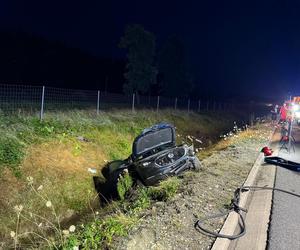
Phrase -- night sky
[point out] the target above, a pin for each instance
(234, 47)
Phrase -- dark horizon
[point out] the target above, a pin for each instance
(232, 48)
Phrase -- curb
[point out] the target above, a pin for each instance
(231, 224)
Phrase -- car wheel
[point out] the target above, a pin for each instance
(111, 168)
(112, 182)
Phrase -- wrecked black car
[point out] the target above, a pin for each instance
(154, 157)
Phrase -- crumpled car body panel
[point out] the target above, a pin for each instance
(167, 163)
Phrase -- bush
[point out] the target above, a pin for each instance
(124, 184)
(11, 154)
(141, 202)
(165, 191)
(100, 233)
(47, 127)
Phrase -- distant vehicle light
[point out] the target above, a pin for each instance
(297, 114)
(296, 107)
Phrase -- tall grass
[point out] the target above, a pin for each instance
(113, 130)
(58, 151)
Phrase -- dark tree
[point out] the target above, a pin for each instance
(174, 79)
(140, 69)
(30, 59)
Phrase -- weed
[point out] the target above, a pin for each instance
(142, 201)
(116, 226)
(100, 232)
(166, 190)
(11, 154)
(42, 224)
(124, 184)
(77, 149)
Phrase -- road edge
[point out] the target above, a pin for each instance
(231, 224)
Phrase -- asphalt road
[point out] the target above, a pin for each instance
(284, 231)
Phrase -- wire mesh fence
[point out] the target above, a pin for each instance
(39, 100)
(19, 98)
(114, 101)
(66, 99)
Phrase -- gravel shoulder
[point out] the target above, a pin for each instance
(170, 225)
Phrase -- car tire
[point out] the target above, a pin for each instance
(112, 182)
(111, 168)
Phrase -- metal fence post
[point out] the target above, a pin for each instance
(207, 105)
(157, 105)
(214, 106)
(199, 105)
(175, 103)
(133, 100)
(98, 102)
(42, 104)
(189, 105)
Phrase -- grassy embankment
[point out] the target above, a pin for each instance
(57, 153)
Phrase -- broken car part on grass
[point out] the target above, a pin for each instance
(154, 157)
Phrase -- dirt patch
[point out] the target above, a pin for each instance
(61, 168)
(64, 157)
(56, 160)
(171, 225)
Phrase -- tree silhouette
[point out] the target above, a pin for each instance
(174, 79)
(140, 69)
